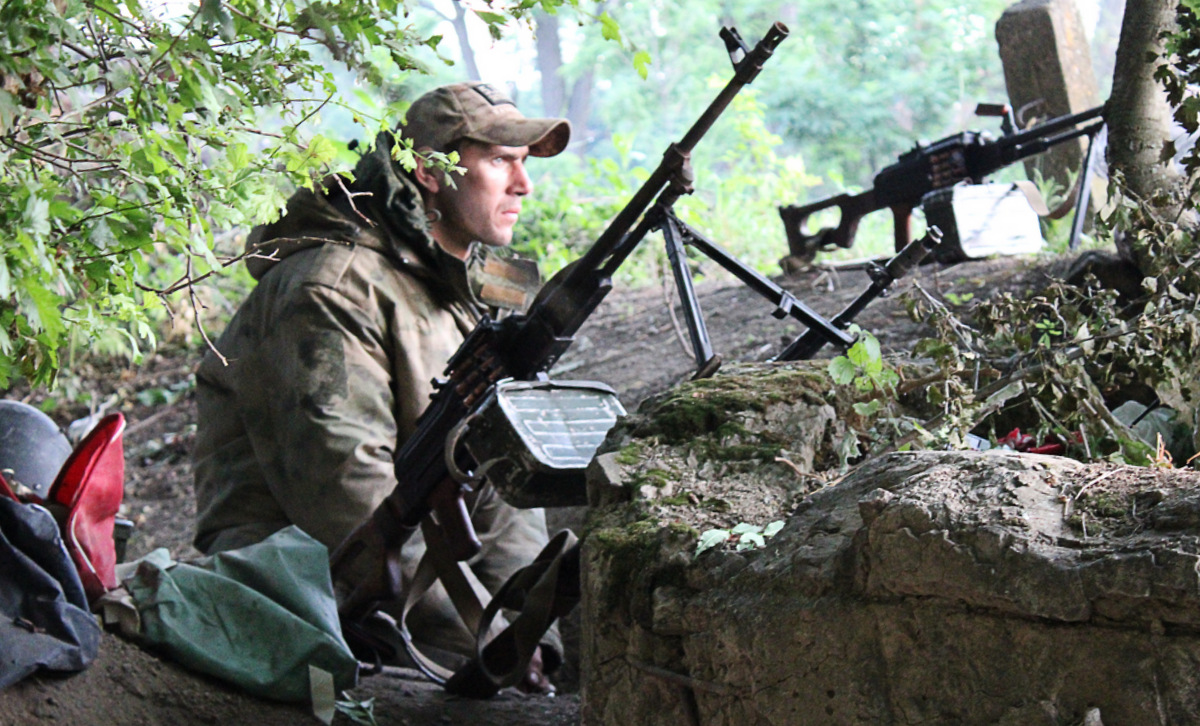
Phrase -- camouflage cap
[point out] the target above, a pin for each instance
(481, 112)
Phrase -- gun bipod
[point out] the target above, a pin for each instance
(677, 234)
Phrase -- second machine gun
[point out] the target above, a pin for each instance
(967, 156)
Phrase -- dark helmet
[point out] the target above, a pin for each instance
(32, 447)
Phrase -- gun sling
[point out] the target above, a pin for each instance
(542, 591)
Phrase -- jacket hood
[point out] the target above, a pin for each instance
(380, 209)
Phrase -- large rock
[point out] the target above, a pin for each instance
(925, 587)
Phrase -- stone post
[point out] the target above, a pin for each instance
(1048, 72)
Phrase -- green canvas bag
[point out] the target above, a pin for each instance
(258, 616)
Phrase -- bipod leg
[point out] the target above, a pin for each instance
(786, 305)
(706, 362)
(1096, 143)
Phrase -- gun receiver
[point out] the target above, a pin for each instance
(969, 155)
(365, 566)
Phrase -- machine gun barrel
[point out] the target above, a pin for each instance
(882, 279)
(1032, 141)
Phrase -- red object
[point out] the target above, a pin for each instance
(1051, 449)
(90, 486)
(6, 490)
(1016, 440)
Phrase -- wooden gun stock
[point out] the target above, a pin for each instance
(804, 245)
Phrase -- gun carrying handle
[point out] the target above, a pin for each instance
(446, 501)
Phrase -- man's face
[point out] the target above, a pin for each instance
(485, 202)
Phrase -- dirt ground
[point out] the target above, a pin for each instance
(630, 343)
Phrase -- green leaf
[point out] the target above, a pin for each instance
(865, 351)
(214, 12)
(44, 314)
(841, 370)
(711, 538)
(238, 156)
(868, 409)
(773, 528)
(5, 280)
(359, 712)
(491, 18)
(751, 540)
(609, 30)
(37, 216)
(9, 111)
(641, 63)
(322, 149)
(746, 528)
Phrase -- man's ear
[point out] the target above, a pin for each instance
(430, 179)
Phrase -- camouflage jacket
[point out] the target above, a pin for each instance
(328, 362)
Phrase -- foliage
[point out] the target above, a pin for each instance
(850, 88)
(1058, 362)
(746, 536)
(139, 142)
(359, 712)
(863, 366)
(133, 134)
(1180, 76)
(875, 382)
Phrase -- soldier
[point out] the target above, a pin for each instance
(362, 296)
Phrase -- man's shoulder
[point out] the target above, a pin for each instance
(360, 274)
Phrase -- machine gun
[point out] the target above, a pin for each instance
(966, 156)
(522, 347)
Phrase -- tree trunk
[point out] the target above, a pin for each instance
(1139, 116)
(549, 63)
(459, 21)
(579, 112)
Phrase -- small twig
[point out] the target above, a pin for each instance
(139, 425)
(137, 95)
(1084, 488)
(259, 132)
(350, 198)
(288, 137)
(200, 324)
(261, 24)
(797, 470)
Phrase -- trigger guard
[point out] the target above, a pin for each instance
(466, 478)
